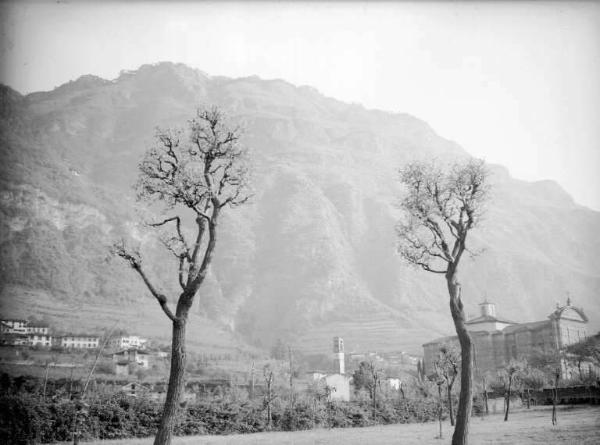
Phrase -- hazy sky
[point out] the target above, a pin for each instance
(515, 83)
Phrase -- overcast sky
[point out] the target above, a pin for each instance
(515, 83)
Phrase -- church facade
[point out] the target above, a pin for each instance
(496, 340)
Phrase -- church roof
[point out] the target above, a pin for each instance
(487, 319)
(531, 326)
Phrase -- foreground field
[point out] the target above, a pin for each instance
(578, 425)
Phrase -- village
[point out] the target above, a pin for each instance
(136, 366)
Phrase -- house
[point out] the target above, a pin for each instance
(393, 383)
(133, 355)
(315, 376)
(134, 389)
(78, 341)
(14, 340)
(339, 385)
(39, 340)
(13, 326)
(497, 340)
(37, 329)
(128, 341)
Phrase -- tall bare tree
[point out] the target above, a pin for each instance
(442, 206)
(193, 174)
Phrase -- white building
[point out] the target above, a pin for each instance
(338, 383)
(79, 341)
(37, 329)
(393, 382)
(128, 341)
(39, 340)
(12, 326)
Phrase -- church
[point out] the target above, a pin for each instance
(496, 340)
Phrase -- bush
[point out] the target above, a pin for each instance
(26, 418)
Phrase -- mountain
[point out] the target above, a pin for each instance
(313, 254)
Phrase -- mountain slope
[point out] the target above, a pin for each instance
(311, 257)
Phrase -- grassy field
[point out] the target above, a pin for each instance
(576, 425)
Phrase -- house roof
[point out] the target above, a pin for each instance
(139, 351)
(92, 336)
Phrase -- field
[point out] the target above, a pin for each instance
(576, 425)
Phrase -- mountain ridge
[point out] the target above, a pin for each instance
(312, 254)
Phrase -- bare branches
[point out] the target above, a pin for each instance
(134, 260)
(180, 238)
(199, 169)
(441, 207)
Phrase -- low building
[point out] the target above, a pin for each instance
(78, 341)
(134, 389)
(339, 386)
(133, 355)
(497, 340)
(122, 368)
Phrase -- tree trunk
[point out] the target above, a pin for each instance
(485, 399)
(269, 405)
(554, 407)
(555, 398)
(508, 399)
(440, 409)
(450, 409)
(465, 401)
(176, 384)
(46, 379)
(251, 395)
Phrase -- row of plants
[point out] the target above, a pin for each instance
(27, 418)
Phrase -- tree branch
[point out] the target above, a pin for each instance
(134, 260)
(162, 300)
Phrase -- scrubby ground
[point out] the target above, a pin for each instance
(576, 425)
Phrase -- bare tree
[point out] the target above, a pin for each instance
(532, 379)
(551, 363)
(510, 376)
(584, 351)
(369, 377)
(442, 206)
(446, 366)
(291, 363)
(193, 173)
(269, 395)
